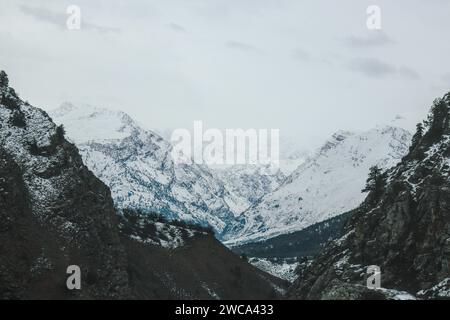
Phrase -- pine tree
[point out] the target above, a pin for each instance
(375, 181)
(33, 147)
(417, 136)
(18, 119)
(437, 119)
(60, 132)
(4, 82)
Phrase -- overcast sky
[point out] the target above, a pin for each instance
(308, 68)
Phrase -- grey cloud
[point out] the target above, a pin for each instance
(331, 58)
(375, 68)
(59, 19)
(372, 39)
(44, 14)
(176, 27)
(242, 46)
(102, 29)
(408, 73)
(259, 64)
(302, 55)
(372, 67)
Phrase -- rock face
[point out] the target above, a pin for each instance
(251, 182)
(54, 212)
(325, 185)
(16, 221)
(403, 226)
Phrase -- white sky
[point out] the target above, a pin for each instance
(308, 68)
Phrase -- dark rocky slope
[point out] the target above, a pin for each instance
(403, 227)
(178, 261)
(17, 250)
(54, 213)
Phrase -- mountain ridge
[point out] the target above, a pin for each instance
(325, 185)
(64, 214)
(402, 227)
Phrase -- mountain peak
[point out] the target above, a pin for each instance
(85, 123)
(137, 165)
(65, 108)
(71, 109)
(335, 139)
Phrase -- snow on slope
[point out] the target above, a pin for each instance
(326, 185)
(137, 166)
(18, 142)
(148, 229)
(250, 182)
(284, 270)
(292, 155)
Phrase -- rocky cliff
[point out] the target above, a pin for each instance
(403, 227)
(54, 211)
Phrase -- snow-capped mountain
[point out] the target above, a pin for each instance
(250, 182)
(137, 166)
(327, 184)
